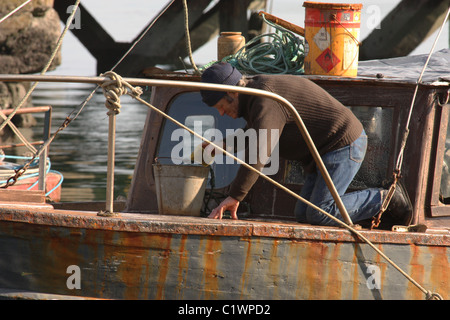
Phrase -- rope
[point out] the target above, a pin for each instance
(114, 88)
(283, 54)
(12, 126)
(14, 11)
(270, 60)
(76, 111)
(19, 134)
(46, 67)
(188, 37)
(6, 121)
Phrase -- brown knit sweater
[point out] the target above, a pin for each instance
(330, 124)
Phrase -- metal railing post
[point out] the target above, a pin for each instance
(43, 157)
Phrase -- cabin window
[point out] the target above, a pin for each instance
(445, 177)
(377, 122)
(176, 144)
(440, 193)
(444, 194)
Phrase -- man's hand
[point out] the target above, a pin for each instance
(230, 204)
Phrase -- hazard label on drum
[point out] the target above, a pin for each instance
(327, 60)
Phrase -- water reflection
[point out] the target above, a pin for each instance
(79, 152)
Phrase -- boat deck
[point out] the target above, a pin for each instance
(171, 224)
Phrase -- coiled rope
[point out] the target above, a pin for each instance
(114, 88)
(283, 54)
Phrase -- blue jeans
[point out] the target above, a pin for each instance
(342, 165)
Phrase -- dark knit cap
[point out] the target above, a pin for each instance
(220, 73)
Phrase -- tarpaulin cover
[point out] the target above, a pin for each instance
(409, 68)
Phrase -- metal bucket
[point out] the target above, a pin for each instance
(332, 33)
(180, 188)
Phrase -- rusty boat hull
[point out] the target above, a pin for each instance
(73, 251)
(135, 256)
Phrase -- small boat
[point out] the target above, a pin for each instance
(29, 173)
(30, 180)
(71, 250)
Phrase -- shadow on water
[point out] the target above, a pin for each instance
(80, 151)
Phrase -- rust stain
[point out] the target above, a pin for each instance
(416, 272)
(247, 266)
(163, 265)
(315, 268)
(293, 260)
(103, 265)
(334, 281)
(129, 265)
(355, 264)
(182, 267)
(274, 269)
(302, 253)
(213, 248)
(383, 265)
(440, 269)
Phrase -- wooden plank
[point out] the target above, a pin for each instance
(285, 24)
(23, 196)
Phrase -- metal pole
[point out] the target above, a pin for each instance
(43, 156)
(111, 163)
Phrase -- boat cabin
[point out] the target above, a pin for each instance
(380, 97)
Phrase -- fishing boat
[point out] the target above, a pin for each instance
(135, 250)
(75, 249)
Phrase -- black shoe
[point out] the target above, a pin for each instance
(399, 210)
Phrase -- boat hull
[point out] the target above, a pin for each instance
(165, 257)
(52, 182)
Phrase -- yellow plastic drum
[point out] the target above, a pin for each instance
(332, 33)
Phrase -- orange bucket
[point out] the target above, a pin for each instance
(331, 34)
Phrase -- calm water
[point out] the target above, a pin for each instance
(80, 151)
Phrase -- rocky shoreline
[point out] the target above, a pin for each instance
(27, 40)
